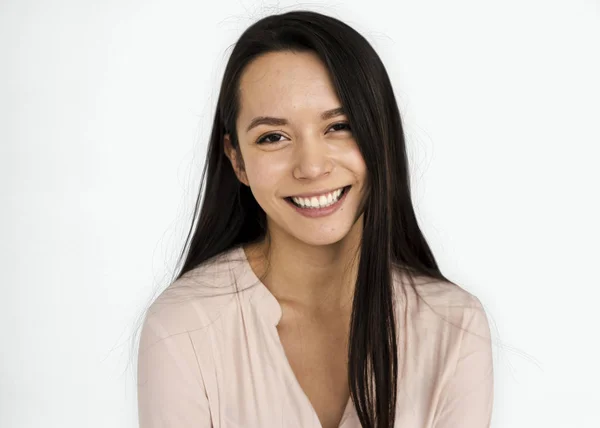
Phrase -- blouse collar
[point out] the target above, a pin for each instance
(258, 294)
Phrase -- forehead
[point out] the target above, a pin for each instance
(285, 83)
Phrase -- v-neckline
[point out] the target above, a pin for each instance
(292, 376)
(273, 330)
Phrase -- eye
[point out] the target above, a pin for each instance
(345, 125)
(266, 139)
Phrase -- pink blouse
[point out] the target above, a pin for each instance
(209, 357)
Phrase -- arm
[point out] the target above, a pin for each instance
(170, 388)
(467, 399)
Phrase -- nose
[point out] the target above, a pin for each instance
(312, 159)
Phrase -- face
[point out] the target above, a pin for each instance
(307, 147)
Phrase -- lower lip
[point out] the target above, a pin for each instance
(320, 212)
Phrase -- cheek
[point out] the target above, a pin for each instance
(264, 172)
(361, 168)
(356, 163)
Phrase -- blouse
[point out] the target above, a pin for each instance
(210, 356)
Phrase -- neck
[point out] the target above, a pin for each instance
(315, 278)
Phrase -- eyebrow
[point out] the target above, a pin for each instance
(277, 121)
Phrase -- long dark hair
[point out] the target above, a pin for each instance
(229, 216)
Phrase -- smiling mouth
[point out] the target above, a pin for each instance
(344, 191)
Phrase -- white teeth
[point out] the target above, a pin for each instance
(319, 202)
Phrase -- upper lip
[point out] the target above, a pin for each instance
(316, 193)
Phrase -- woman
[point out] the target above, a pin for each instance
(309, 296)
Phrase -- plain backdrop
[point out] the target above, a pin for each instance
(105, 112)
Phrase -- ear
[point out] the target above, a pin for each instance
(233, 157)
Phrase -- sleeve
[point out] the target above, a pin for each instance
(467, 399)
(170, 388)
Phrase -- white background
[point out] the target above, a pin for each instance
(105, 112)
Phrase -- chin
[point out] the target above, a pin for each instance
(323, 234)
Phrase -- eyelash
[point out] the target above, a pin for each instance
(261, 139)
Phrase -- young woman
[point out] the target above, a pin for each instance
(308, 296)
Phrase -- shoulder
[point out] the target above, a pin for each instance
(435, 292)
(445, 328)
(443, 304)
(194, 300)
